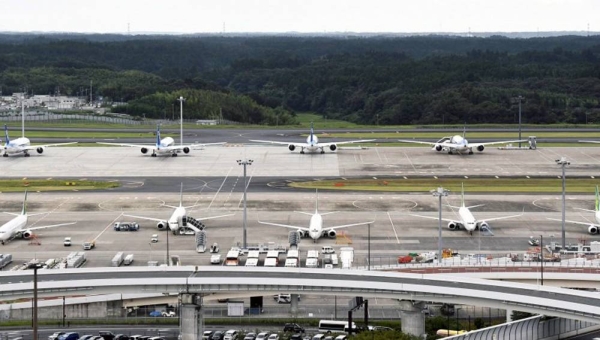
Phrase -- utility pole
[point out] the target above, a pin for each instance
(181, 100)
(520, 98)
(563, 163)
(245, 162)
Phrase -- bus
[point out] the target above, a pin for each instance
(334, 326)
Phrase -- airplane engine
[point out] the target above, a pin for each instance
(162, 225)
(303, 233)
(26, 233)
(331, 233)
(438, 148)
(453, 226)
(484, 226)
(333, 147)
(292, 147)
(186, 150)
(40, 150)
(480, 148)
(592, 229)
(144, 151)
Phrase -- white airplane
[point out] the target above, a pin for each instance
(458, 144)
(22, 145)
(593, 228)
(466, 219)
(315, 227)
(179, 221)
(589, 141)
(165, 146)
(16, 226)
(312, 143)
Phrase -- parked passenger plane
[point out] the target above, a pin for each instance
(466, 219)
(16, 226)
(458, 144)
(315, 227)
(165, 146)
(22, 145)
(312, 143)
(593, 228)
(179, 221)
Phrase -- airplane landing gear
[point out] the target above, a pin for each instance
(5, 155)
(153, 155)
(174, 155)
(26, 154)
(449, 152)
(302, 152)
(322, 152)
(470, 152)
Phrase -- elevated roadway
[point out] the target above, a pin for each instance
(223, 281)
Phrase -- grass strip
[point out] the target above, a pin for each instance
(20, 185)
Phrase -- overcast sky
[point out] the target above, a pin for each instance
(204, 16)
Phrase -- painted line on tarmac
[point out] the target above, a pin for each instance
(393, 228)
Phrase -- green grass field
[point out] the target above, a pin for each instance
(20, 185)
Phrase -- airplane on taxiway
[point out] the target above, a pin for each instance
(466, 219)
(22, 145)
(458, 144)
(312, 143)
(179, 220)
(593, 228)
(165, 146)
(315, 228)
(17, 226)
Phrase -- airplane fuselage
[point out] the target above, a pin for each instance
(312, 144)
(10, 228)
(461, 144)
(467, 219)
(17, 146)
(315, 228)
(164, 144)
(176, 218)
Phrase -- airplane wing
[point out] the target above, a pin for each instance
(284, 225)
(191, 146)
(149, 147)
(418, 142)
(50, 226)
(433, 218)
(347, 225)
(146, 218)
(305, 145)
(442, 144)
(500, 218)
(212, 217)
(588, 141)
(346, 142)
(33, 147)
(588, 210)
(573, 222)
(475, 145)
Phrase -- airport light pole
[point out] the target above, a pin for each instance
(181, 100)
(519, 98)
(245, 162)
(35, 267)
(563, 163)
(440, 192)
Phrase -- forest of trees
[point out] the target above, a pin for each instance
(265, 79)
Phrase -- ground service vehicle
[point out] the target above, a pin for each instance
(88, 245)
(232, 258)
(154, 238)
(128, 259)
(67, 242)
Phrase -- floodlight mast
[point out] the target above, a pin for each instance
(181, 100)
(563, 163)
(440, 192)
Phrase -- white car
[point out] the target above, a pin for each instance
(274, 336)
(231, 334)
(262, 336)
(215, 259)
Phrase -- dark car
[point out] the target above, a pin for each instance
(106, 335)
(121, 337)
(293, 327)
(218, 335)
(296, 336)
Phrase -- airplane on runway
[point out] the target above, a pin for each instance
(165, 146)
(312, 143)
(458, 144)
(593, 228)
(315, 228)
(22, 145)
(467, 221)
(16, 226)
(180, 222)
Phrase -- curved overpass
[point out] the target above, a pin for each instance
(214, 282)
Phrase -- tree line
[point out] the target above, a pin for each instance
(266, 79)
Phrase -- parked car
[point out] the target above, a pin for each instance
(293, 327)
(273, 336)
(341, 337)
(69, 336)
(231, 334)
(262, 336)
(86, 337)
(250, 336)
(157, 338)
(297, 336)
(106, 335)
(155, 313)
(55, 335)
(207, 335)
(169, 314)
(121, 337)
(218, 335)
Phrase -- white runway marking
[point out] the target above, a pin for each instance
(393, 228)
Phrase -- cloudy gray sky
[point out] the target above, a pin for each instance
(198, 16)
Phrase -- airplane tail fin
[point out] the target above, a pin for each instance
(312, 132)
(157, 135)
(24, 210)
(464, 130)
(181, 196)
(597, 199)
(462, 195)
(317, 202)
(6, 134)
